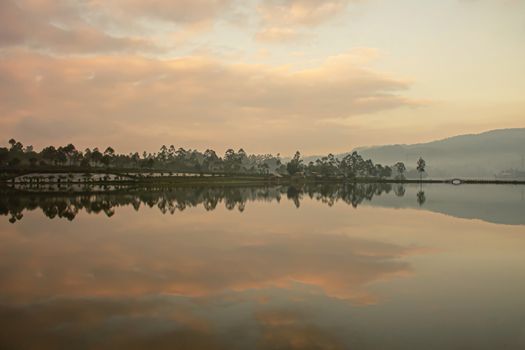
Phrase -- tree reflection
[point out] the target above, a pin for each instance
(421, 198)
(169, 199)
(399, 190)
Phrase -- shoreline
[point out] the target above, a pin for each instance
(223, 179)
(65, 176)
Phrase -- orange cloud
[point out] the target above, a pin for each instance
(300, 12)
(277, 34)
(178, 11)
(161, 322)
(118, 26)
(48, 27)
(146, 98)
(195, 264)
(284, 329)
(280, 19)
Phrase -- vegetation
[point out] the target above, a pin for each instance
(401, 169)
(421, 167)
(168, 159)
(172, 159)
(295, 165)
(171, 199)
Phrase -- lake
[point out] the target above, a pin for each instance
(365, 266)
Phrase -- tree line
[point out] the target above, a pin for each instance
(177, 199)
(170, 158)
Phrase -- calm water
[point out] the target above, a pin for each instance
(323, 267)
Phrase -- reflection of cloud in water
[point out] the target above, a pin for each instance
(271, 277)
(105, 324)
(285, 329)
(194, 264)
(161, 322)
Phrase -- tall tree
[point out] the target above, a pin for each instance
(295, 165)
(96, 156)
(4, 155)
(70, 152)
(50, 154)
(109, 151)
(231, 161)
(210, 160)
(421, 167)
(16, 147)
(400, 169)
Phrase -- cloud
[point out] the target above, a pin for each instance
(60, 30)
(300, 12)
(149, 98)
(279, 35)
(138, 26)
(114, 26)
(179, 11)
(282, 19)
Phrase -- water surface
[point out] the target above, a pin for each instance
(316, 267)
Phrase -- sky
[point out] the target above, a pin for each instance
(270, 76)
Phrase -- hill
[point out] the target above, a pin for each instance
(476, 155)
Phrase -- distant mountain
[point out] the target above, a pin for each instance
(481, 155)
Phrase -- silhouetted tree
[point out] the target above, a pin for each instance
(16, 147)
(14, 162)
(70, 152)
(49, 154)
(231, 161)
(61, 156)
(400, 169)
(295, 165)
(210, 160)
(421, 167)
(109, 152)
(4, 155)
(96, 156)
(170, 160)
(33, 161)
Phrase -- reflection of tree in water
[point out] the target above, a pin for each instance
(351, 193)
(173, 199)
(399, 190)
(421, 199)
(294, 195)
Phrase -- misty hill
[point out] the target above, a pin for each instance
(478, 155)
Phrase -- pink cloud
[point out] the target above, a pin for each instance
(152, 97)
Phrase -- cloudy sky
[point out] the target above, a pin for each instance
(266, 75)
